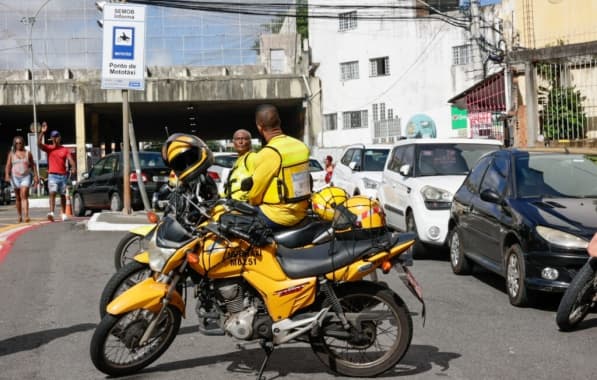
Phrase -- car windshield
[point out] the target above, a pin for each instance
(314, 165)
(448, 159)
(374, 160)
(226, 161)
(556, 175)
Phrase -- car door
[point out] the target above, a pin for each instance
(343, 173)
(107, 181)
(390, 189)
(86, 187)
(486, 217)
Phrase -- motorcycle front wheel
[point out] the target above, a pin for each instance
(379, 341)
(128, 247)
(578, 298)
(129, 275)
(115, 348)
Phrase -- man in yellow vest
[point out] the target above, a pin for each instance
(281, 180)
(243, 166)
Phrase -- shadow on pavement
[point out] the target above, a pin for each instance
(34, 340)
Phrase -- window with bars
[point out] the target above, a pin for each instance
(330, 122)
(379, 66)
(354, 119)
(347, 20)
(375, 110)
(349, 70)
(461, 55)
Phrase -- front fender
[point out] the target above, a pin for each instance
(142, 257)
(147, 294)
(143, 230)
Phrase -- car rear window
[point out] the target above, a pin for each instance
(225, 160)
(149, 160)
(315, 166)
(449, 159)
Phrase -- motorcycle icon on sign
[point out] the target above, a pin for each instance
(123, 43)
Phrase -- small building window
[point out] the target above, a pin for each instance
(461, 55)
(349, 70)
(379, 66)
(330, 122)
(347, 20)
(354, 119)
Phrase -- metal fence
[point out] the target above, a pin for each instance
(567, 101)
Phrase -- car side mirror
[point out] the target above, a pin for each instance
(491, 196)
(353, 165)
(85, 175)
(405, 170)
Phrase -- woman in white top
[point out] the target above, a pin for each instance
(19, 167)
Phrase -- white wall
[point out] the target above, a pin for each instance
(421, 79)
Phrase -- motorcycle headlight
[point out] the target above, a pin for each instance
(158, 256)
(369, 183)
(562, 239)
(435, 198)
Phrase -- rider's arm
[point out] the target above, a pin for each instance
(592, 248)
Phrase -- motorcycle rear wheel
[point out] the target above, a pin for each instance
(115, 346)
(384, 341)
(128, 247)
(578, 299)
(129, 275)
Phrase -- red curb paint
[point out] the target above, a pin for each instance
(12, 237)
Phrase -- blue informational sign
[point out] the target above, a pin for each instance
(123, 44)
(467, 3)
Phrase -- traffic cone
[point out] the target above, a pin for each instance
(69, 208)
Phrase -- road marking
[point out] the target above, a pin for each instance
(9, 233)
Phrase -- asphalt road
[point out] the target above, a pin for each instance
(51, 280)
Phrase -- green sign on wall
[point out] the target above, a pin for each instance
(459, 118)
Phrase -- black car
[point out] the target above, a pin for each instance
(101, 188)
(527, 216)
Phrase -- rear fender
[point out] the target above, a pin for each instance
(147, 294)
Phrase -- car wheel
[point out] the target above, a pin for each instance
(458, 261)
(515, 276)
(115, 202)
(418, 249)
(78, 205)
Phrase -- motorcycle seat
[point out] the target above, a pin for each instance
(301, 235)
(327, 257)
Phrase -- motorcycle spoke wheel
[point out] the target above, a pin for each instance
(578, 299)
(115, 348)
(379, 340)
(126, 277)
(128, 247)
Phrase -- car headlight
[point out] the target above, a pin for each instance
(562, 239)
(158, 256)
(436, 199)
(370, 184)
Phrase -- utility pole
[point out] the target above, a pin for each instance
(476, 38)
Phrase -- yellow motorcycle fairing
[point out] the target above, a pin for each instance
(356, 270)
(148, 295)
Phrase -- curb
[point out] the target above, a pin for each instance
(8, 237)
(94, 225)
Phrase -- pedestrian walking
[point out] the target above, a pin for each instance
(20, 171)
(329, 168)
(58, 156)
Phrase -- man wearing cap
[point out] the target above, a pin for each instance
(57, 175)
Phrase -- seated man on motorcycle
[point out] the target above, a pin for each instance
(243, 166)
(281, 185)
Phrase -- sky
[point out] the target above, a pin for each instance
(66, 34)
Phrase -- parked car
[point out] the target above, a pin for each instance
(359, 169)
(527, 216)
(101, 188)
(6, 192)
(420, 179)
(317, 172)
(223, 162)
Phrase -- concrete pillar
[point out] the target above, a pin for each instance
(532, 115)
(80, 139)
(316, 122)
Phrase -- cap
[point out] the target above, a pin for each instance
(55, 134)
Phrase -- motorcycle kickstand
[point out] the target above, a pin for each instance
(268, 347)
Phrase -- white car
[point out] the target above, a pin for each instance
(317, 172)
(420, 179)
(359, 169)
(223, 163)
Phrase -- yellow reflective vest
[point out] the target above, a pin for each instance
(243, 168)
(292, 183)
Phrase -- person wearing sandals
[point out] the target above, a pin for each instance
(20, 171)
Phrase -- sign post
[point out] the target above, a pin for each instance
(123, 67)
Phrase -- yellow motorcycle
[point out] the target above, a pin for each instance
(252, 288)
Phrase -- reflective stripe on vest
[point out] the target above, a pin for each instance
(293, 181)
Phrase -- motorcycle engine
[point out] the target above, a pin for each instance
(241, 308)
